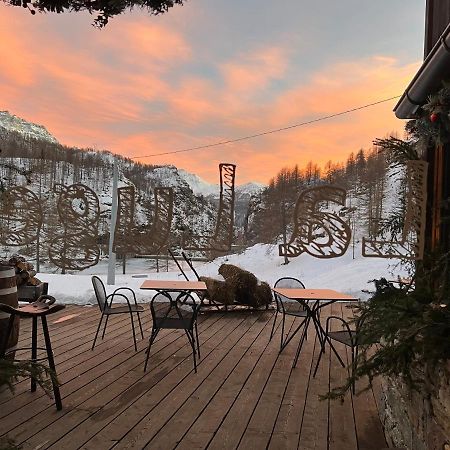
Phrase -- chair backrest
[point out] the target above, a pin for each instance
(174, 311)
(290, 283)
(100, 292)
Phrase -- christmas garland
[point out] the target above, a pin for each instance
(433, 124)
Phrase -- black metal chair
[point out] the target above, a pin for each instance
(180, 314)
(105, 304)
(290, 307)
(346, 336)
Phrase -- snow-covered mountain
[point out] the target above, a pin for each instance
(10, 122)
(50, 164)
(202, 187)
(251, 188)
(199, 186)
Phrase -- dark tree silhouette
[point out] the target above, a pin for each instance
(105, 9)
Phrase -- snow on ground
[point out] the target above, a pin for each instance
(344, 274)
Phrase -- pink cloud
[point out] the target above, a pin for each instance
(252, 72)
(130, 104)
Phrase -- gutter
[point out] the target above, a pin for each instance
(427, 80)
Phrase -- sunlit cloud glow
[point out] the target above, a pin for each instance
(142, 90)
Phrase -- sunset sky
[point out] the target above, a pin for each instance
(215, 70)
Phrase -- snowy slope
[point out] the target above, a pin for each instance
(344, 274)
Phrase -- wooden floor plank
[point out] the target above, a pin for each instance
(95, 388)
(237, 418)
(369, 431)
(179, 423)
(244, 395)
(144, 431)
(286, 432)
(314, 419)
(103, 427)
(71, 356)
(259, 430)
(342, 425)
(208, 422)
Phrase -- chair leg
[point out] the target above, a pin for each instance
(282, 334)
(134, 332)
(302, 340)
(191, 339)
(316, 322)
(104, 328)
(150, 342)
(273, 325)
(322, 349)
(318, 362)
(51, 363)
(96, 334)
(354, 362)
(198, 341)
(140, 324)
(34, 348)
(194, 352)
(336, 353)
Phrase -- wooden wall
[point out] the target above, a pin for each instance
(436, 19)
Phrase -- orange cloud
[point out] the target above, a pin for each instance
(254, 72)
(133, 90)
(336, 88)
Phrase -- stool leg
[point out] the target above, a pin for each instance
(33, 349)
(51, 363)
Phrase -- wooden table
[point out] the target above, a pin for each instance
(319, 295)
(177, 285)
(319, 299)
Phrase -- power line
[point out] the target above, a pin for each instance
(264, 133)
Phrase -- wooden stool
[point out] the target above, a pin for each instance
(40, 308)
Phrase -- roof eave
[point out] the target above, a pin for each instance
(427, 80)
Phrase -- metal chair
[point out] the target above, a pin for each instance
(180, 314)
(346, 336)
(105, 304)
(289, 307)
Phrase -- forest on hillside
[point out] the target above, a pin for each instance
(372, 192)
(47, 165)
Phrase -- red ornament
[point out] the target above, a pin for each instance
(434, 117)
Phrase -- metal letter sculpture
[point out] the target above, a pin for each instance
(128, 238)
(411, 244)
(20, 216)
(79, 211)
(318, 233)
(222, 238)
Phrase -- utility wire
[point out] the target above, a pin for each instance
(264, 133)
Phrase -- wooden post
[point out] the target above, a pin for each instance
(437, 197)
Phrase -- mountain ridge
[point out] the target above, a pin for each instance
(11, 122)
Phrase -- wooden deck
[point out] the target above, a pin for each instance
(245, 394)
